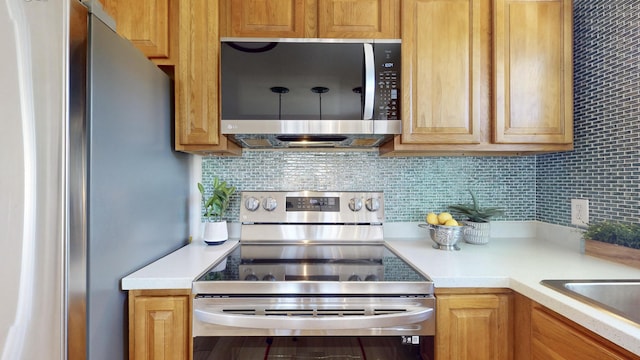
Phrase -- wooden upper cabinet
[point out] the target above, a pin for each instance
(197, 91)
(441, 65)
(310, 18)
(149, 25)
(184, 36)
(263, 18)
(377, 19)
(485, 77)
(197, 80)
(533, 71)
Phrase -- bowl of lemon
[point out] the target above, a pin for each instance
(444, 230)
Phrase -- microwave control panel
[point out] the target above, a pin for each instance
(387, 98)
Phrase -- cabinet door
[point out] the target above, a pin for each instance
(197, 75)
(533, 71)
(197, 95)
(441, 71)
(554, 337)
(358, 19)
(160, 326)
(473, 327)
(264, 18)
(147, 24)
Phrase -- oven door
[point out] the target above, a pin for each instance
(312, 315)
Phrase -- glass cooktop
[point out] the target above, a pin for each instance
(380, 264)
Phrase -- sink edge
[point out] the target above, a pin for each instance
(559, 286)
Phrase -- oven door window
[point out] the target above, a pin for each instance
(303, 348)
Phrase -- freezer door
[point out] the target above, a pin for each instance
(32, 112)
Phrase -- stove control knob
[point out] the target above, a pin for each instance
(371, 277)
(252, 204)
(373, 204)
(355, 277)
(269, 204)
(251, 277)
(269, 277)
(355, 204)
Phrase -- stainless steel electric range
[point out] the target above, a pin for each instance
(313, 263)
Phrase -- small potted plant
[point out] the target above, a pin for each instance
(478, 220)
(613, 241)
(215, 231)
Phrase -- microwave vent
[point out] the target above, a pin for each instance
(365, 142)
(257, 143)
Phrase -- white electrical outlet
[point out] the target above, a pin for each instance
(580, 212)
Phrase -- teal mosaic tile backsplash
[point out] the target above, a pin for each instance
(412, 186)
(605, 165)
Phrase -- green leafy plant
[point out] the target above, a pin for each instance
(612, 232)
(216, 204)
(474, 212)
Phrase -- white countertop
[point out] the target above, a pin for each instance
(178, 269)
(538, 251)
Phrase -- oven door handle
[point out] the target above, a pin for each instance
(216, 316)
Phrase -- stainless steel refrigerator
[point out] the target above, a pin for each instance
(90, 189)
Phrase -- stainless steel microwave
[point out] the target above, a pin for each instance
(310, 93)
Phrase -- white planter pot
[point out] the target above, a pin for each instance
(477, 233)
(214, 233)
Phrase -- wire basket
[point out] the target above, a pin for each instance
(445, 237)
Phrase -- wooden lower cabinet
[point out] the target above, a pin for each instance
(160, 325)
(542, 333)
(473, 324)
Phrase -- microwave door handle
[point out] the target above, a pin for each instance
(369, 82)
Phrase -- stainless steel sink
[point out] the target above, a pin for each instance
(621, 297)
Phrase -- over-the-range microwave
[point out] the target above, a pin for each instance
(310, 92)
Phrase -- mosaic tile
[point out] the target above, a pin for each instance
(605, 165)
(412, 186)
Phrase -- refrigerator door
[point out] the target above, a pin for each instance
(90, 188)
(128, 190)
(32, 109)
(137, 186)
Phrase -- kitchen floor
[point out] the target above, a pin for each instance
(304, 348)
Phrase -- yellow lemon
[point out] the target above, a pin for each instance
(451, 222)
(443, 217)
(432, 219)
